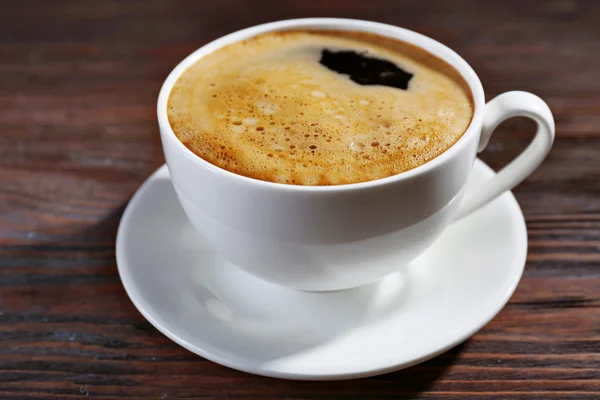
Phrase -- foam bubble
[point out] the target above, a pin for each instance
(357, 146)
(267, 108)
(237, 128)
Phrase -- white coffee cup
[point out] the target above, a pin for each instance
(338, 237)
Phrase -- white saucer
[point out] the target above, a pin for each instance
(219, 312)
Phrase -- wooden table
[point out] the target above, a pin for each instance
(78, 135)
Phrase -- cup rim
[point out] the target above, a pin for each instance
(419, 40)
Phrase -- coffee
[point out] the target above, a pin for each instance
(319, 107)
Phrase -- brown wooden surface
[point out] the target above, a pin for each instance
(78, 135)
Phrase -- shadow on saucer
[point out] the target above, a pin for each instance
(409, 383)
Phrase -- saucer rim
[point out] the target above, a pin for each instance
(137, 299)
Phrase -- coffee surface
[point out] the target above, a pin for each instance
(313, 108)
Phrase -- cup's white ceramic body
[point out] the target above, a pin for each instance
(337, 237)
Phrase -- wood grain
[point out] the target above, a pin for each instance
(78, 135)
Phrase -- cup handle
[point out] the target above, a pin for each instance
(499, 109)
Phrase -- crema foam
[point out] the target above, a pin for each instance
(319, 107)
